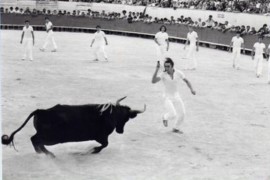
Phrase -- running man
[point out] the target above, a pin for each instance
(99, 40)
(193, 40)
(28, 40)
(50, 36)
(257, 51)
(174, 106)
(162, 41)
(237, 42)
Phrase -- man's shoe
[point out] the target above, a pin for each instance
(54, 50)
(41, 49)
(177, 131)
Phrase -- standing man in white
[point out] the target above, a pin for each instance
(257, 51)
(28, 40)
(162, 42)
(171, 78)
(99, 40)
(193, 40)
(237, 42)
(50, 36)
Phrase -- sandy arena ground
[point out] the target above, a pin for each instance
(226, 130)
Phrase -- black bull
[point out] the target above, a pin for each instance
(65, 123)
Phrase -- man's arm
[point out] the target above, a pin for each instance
(33, 36)
(243, 47)
(156, 41)
(189, 85)
(156, 79)
(230, 48)
(167, 40)
(106, 40)
(186, 43)
(92, 42)
(253, 53)
(197, 43)
(22, 37)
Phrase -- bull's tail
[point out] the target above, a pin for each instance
(7, 140)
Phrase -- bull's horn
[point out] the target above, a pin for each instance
(140, 111)
(118, 101)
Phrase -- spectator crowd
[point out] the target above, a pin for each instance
(133, 17)
(247, 6)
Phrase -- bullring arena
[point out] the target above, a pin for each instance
(226, 130)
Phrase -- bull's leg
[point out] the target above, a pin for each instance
(35, 143)
(43, 149)
(104, 143)
(39, 147)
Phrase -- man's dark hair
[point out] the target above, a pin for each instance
(26, 21)
(169, 60)
(162, 27)
(46, 18)
(98, 26)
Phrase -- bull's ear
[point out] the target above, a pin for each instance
(132, 114)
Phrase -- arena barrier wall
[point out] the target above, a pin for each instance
(177, 33)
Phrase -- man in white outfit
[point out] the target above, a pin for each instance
(99, 40)
(50, 35)
(257, 51)
(162, 42)
(28, 40)
(193, 40)
(171, 78)
(237, 42)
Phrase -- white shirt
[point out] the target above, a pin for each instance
(237, 42)
(161, 38)
(192, 37)
(171, 86)
(28, 32)
(48, 25)
(259, 47)
(99, 38)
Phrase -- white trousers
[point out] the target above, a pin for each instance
(192, 62)
(236, 56)
(28, 48)
(100, 49)
(161, 53)
(258, 60)
(174, 111)
(50, 37)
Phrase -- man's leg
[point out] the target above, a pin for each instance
(96, 50)
(259, 66)
(193, 58)
(170, 112)
(25, 44)
(237, 58)
(181, 112)
(234, 55)
(46, 42)
(54, 43)
(104, 52)
(30, 49)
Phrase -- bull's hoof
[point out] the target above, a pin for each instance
(96, 150)
(51, 155)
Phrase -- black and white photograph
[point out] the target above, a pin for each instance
(135, 89)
